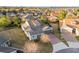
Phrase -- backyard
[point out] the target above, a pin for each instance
(15, 35)
(18, 39)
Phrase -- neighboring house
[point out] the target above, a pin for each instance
(1, 14)
(10, 14)
(5, 46)
(71, 25)
(52, 18)
(4, 42)
(34, 29)
(10, 50)
(20, 13)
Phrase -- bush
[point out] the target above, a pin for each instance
(45, 38)
(62, 15)
(4, 21)
(31, 47)
(16, 21)
(77, 37)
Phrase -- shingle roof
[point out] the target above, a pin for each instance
(3, 40)
(35, 29)
(36, 26)
(8, 49)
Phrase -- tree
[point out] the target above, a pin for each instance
(16, 21)
(62, 15)
(44, 20)
(31, 47)
(45, 38)
(76, 11)
(42, 17)
(4, 12)
(4, 21)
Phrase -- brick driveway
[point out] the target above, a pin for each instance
(53, 39)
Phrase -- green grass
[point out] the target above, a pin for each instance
(45, 47)
(1, 28)
(18, 38)
(77, 37)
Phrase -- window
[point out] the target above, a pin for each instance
(34, 37)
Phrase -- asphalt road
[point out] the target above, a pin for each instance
(69, 50)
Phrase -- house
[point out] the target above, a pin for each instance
(4, 42)
(53, 15)
(5, 46)
(52, 18)
(71, 24)
(10, 50)
(34, 28)
(10, 14)
(20, 13)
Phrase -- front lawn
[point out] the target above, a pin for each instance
(38, 47)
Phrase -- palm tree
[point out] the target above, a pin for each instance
(61, 16)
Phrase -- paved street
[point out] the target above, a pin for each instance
(58, 45)
(69, 50)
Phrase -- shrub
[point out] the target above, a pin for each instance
(16, 21)
(45, 38)
(4, 21)
(31, 47)
(77, 37)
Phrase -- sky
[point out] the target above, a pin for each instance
(39, 3)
